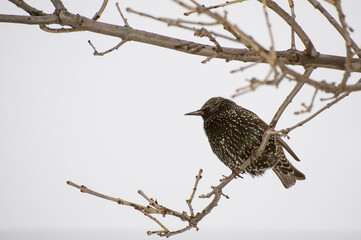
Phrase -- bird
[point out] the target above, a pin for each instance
(234, 133)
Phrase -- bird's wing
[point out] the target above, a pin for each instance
(265, 127)
(257, 119)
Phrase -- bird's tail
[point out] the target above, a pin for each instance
(287, 173)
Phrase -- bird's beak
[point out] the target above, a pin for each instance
(195, 113)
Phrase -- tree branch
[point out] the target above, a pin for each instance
(27, 8)
(31, 20)
(101, 10)
(310, 49)
(267, 134)
(82, 23)
(321, 85)
(334, 23)
(289, 98)
(58, 4)
(328, 105)
(154, 207)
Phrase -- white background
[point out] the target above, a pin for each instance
(116, 124)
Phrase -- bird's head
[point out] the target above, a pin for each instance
(213, 106)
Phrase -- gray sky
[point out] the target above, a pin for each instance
(116, 124)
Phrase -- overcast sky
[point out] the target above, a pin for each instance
(116, 124)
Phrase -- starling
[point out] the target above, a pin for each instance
(234, 132)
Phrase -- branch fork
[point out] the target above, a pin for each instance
(153, 207)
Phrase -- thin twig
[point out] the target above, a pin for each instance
(126, 24)
(316, 4)
(165, 229)
(289, 98)
(236, 32)
(310, 48)
(181, 23)
(204, 33)
(292, 7)
(241, 69)
(84, 189)
(171, 21)
(217, 6)
(328, 105)
(189, 201)
(272, 50)
(149, 200)
(223, 183)
(321, 85)
(168, 233)
(101, 10)
(208, 59)
(96, 53)
(348, 40)
(309, 107)
(255, 83)
(58, 30)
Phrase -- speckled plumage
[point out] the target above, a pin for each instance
(234, 132)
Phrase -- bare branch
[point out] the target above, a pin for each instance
(189, 201)
(58, 30)
(96, 53)
(295, 57)
(238, 33)
(126, 24)
(58, 4)
(159, 232)
(268, 25)
(27, 8)
(244, 68)
(348, 40)
(204, 33)
(309, 107)
(101, 10)
(181, 23)
(255, 83)
(59, 7)
(292, 7)
(33, 20)
(289, 98)
(328, 105)
(272, 52)
(216, 6)
(84, 189)
(334, 23)
(310, 49)
(321, 85)
(154, 208)
(208, 59)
